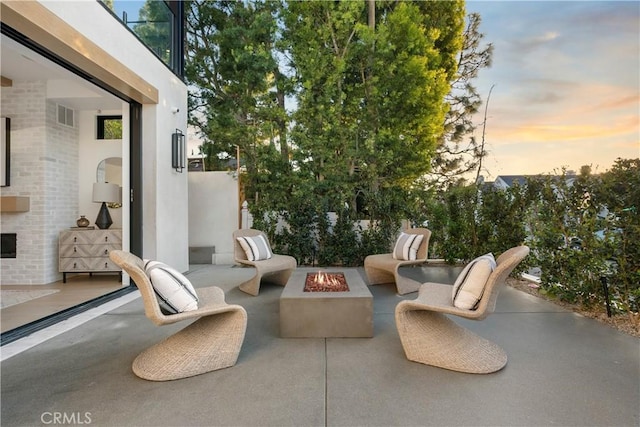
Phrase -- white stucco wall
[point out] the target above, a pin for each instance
(213, 213)
(165, 191)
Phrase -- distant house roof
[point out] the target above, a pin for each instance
(510, 180)
(506, 181)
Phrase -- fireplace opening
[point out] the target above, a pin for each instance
(8, 245)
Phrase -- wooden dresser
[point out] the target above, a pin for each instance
(87, 251)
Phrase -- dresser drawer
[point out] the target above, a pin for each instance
(87, 265)
(90, 237)
(81, 251)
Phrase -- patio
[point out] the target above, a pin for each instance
(563, 369)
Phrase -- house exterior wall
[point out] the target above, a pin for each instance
(213, 213)
(46, 162)
(165, 192)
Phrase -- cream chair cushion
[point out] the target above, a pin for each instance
(407, 246)
(255, 247)
(175, 292)
(469, 285)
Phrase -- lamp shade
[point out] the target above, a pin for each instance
(105, 192)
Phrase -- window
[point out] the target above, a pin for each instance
(109, 127)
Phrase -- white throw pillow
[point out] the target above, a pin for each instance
(255, 247)
(469, 286)
(174, 291)
(407, 246)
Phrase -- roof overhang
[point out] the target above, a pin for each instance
(45, 28)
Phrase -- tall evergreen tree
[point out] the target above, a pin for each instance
(369, 83)
(455, 157)
(371, 90)
(236, 97)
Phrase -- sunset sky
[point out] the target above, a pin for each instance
(566, 78)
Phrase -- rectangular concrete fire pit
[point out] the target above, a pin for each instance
(326, 314)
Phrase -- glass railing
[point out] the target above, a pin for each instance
(155, 24)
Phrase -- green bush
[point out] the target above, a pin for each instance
(580, 229)
(586, 229)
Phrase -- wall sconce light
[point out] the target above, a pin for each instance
(178, 151)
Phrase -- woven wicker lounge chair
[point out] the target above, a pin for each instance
(428, 336)
(383, 268)
(212, 342)
(276, 269)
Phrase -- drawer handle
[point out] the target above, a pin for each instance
(75, 239)
(106, 252)
(75, 249)
(74, 265)
(106, 265)
(106, 238)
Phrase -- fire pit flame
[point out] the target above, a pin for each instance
(326, 282)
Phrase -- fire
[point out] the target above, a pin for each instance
(326, 282)
(325, 279)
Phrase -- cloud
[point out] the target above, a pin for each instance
(527, 45)
(545, 97)
(530, 158)
(619, 102)
(607, 18)
(562, 102)
(546, 90)
(535, 132)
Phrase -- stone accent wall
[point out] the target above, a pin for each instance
(44, 167)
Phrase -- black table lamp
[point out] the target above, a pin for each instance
(104, 193)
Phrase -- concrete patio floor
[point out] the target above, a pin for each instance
(563, 370)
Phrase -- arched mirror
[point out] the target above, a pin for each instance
(110, 170)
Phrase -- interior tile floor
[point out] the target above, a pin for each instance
(78, 289)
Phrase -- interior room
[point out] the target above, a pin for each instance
(64, 139)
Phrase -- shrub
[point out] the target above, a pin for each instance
(581, 229)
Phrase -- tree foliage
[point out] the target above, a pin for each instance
(464, 227)
(113, 129)
(455, 156)
(620, 194)
(369, 81)
(369, 95)
(564, 228)
(154, 28)
(236, 96)
(582, 229)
